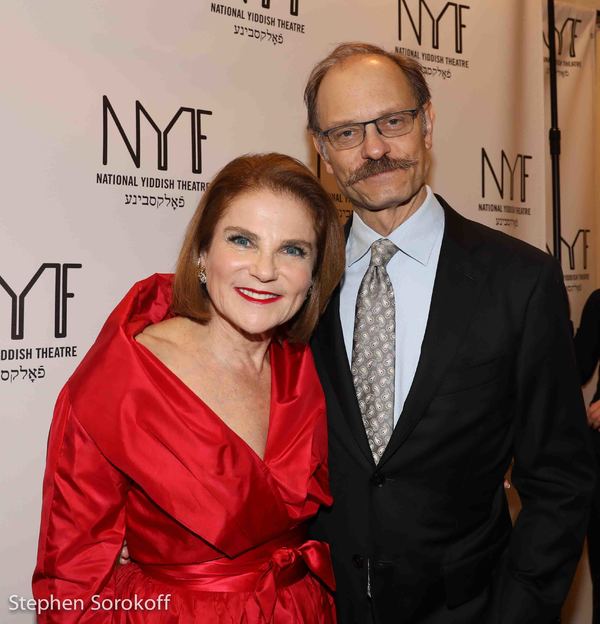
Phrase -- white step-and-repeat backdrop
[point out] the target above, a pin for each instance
(114, 116)
(575, 48)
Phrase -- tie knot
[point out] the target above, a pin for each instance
(382, 251)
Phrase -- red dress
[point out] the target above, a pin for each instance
(134, 453)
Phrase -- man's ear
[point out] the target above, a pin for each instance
(428, 121)
(321, 148)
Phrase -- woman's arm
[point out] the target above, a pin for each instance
(83, 523)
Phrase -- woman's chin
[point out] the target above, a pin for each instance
(255, 331)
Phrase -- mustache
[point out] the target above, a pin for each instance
(373, 167)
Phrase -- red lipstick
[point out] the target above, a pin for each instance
(257, 296)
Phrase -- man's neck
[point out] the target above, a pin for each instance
(385, 221)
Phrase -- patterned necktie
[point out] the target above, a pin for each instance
(374, 348)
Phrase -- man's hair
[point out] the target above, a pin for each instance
(412, 70)
(246, 174)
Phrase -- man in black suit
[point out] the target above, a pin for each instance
(455, 338)
(587, 352)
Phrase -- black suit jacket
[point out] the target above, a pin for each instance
(587, 341)
(496, 379)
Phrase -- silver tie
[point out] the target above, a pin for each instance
(374, 348)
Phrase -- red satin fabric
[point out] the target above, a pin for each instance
(134, 453)
(259, 572)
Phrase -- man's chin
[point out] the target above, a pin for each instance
(383, 201)
(374, 205)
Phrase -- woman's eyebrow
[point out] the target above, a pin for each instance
(297, 242)
(232, 229)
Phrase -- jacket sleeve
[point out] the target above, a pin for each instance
(82, 525)
(553, 466)
(587, 339)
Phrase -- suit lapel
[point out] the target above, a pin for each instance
(332, 353)
(457, 287)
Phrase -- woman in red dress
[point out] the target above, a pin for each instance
(195, 426)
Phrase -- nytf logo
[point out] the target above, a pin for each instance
(508, 174)
(565, 34)
(577, 250)
(266, 4)
(113, 130)
(432, 21)
(61, 295)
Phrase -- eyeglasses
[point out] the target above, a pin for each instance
(390, 125)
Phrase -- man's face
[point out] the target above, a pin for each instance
(364, 88)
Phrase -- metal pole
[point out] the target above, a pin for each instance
(554, 134)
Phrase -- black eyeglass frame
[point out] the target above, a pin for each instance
(413, 112)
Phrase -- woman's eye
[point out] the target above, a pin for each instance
(294, 250)
(238, 239)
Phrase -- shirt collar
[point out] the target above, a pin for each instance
(415, 237)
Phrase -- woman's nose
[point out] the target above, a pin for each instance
(264, 267)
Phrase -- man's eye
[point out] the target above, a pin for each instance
(238, 239)
(395, 122)
(294, 250)
(345, 133)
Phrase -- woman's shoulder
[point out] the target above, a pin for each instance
(163, 332)
(166, 337)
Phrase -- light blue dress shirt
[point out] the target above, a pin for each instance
(412, 273)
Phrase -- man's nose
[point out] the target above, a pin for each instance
(375, 144)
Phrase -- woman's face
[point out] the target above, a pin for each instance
(260, 262)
